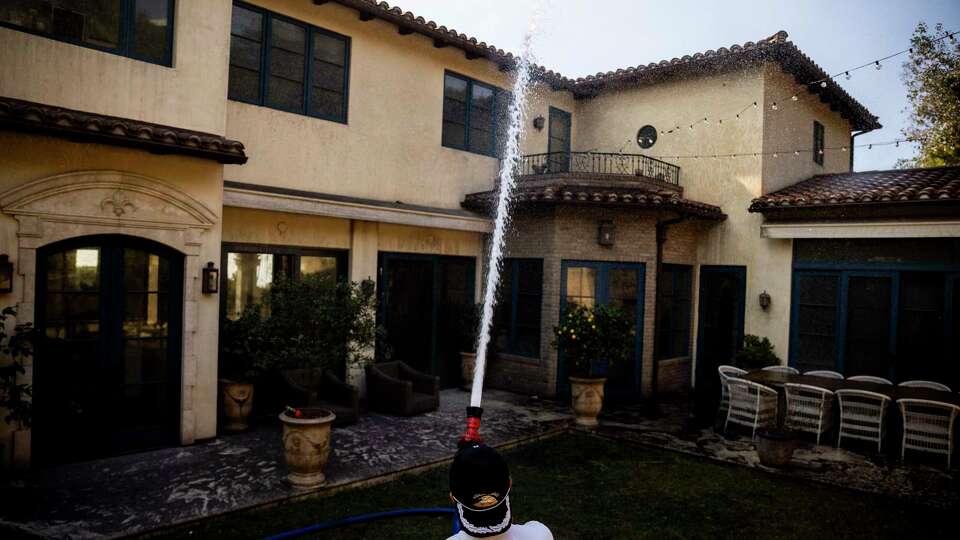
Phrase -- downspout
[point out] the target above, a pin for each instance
(661, 231)
(853, 144)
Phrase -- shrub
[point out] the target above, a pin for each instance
(15, 398)
(587, 338)
(757, 352)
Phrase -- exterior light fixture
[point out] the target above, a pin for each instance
(605, 233)
(6, 274)
(765, 300)
(538, 122)
(211, 279)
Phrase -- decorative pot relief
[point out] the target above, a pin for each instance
(119, 203)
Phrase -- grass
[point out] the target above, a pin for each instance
(587, 487)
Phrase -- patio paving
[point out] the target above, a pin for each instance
(136, 493)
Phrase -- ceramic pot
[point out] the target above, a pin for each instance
(587, 396)
(237, 403)
(306, 446)
(775, 448)
(468, 360)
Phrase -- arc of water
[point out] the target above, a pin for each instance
(507, 181)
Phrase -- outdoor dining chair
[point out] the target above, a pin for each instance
(783, 369)
(869, 378)
(725, 373)
(926, 384)
(825, 373)
(861, 415)
(752, 405)
(927, 426)
(809, 408)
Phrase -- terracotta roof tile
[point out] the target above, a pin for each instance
(876, 188)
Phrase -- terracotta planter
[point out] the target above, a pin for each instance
(587, 395)
(237, 403)
(306, 446)
(468, 360)
(775, 448)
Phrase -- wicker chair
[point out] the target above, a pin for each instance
(809, 408)
(751, 404)
(826, 373)
(396, 388)
(927, 426)
(926, 384)
(869, 378)
(861, 415)
(725, 373)
(783, 369)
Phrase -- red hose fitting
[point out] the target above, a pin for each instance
(472, 435)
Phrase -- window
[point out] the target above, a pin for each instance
(251, 270)
(517, 328)
(817, 142)
(288, 65)
(817, 298)
(140, 29)
(673, 315)
(474, 116)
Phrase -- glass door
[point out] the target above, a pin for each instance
(558, 142)
(589, 284)
(869, 337)
(719, 330)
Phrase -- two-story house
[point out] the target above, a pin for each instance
(165, 160)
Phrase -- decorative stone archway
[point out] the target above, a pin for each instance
(88, 203)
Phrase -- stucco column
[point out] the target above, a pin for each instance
(364, 240)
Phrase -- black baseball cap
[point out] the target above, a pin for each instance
(480, 485)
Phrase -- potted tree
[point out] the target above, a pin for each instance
(774, 446)
(591, 340)
(16, 397)
(243, 358)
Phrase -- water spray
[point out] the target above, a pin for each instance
(507, 181)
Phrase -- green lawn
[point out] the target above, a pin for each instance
(586, 487)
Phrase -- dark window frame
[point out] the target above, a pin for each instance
(682, 278)
(497, 137)
(514, 296)
(818, 143)
(125, 37)
(310, 30)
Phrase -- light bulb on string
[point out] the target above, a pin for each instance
(794, 97)
(774, 106)
(796, 152)
(869, 147)
(844, 149)
(776, 155)
(706, 122)
(823, 84)
(820, 151)
(691, 127)
(897, 145)
(878, 65)
(847, 75)
(738, 116)
(754, 104)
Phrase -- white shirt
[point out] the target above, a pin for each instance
(531, 530)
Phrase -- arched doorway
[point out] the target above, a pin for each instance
(108, 364)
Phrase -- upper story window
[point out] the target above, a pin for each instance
(818, 142)
(474, 115)
(673, 313)
(288, 65)
(140, 29)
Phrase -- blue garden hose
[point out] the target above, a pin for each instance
(366, 518)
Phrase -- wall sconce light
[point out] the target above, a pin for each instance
(211, 279)
(605, 233)
(538, 122)
(764, 300)
(6, 274)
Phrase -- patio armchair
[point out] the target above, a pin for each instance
(310, 387)
(809, 408)
(869, 378)
(931, 385)
(396, 388)
(783, 369)
(725, 373)
(826, 373)
(752, 405)
(862, 415)
(927, 426)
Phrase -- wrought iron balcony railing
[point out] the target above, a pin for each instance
(599, 163)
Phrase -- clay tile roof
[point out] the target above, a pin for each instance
(559, 192)
(19, 115)
(876, 188)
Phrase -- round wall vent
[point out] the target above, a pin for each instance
(647, 136)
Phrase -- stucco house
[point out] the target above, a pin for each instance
(147, 140)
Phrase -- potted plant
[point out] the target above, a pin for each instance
(243, 360)
(757, 352)
(775, 447)
(16, 397)
(306, 445)
(591, 340)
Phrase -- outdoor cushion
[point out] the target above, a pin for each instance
(396, 388)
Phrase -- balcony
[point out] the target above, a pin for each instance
(604, 166)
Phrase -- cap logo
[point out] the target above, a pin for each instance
(487, 500)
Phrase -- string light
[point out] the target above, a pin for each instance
(794, 97)
(847, 75)
(774, 106)
(823, 84)
(878, 65)
(795, 152)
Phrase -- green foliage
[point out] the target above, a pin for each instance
(15, 398)
(757, 352)
(588, 336)
(932, 78)
(316, 321)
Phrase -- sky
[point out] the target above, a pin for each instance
(581, 37)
